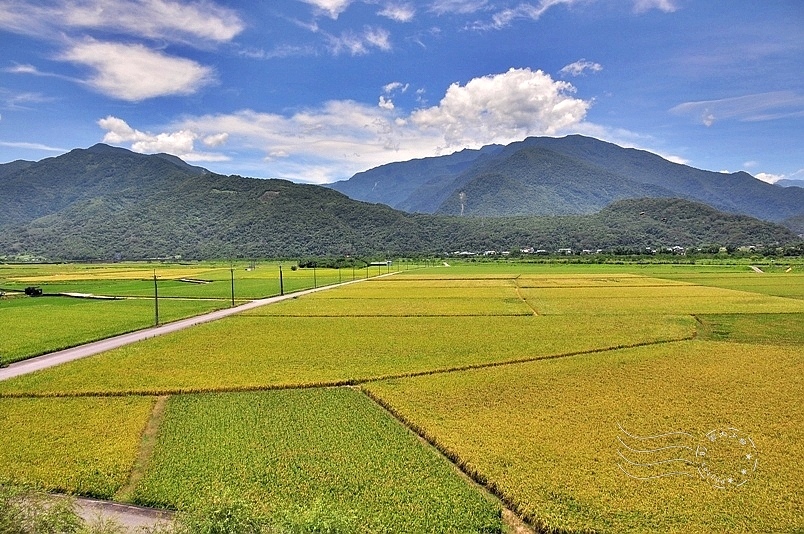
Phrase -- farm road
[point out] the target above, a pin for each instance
(82, 351)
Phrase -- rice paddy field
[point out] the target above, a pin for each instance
(584, 398)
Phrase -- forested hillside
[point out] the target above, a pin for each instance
(570, 175)
(106, 203)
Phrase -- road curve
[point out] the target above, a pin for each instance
(82, 351)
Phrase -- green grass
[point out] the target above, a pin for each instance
(305, 459)
(33, 326)
(545, 433)
(81, 445)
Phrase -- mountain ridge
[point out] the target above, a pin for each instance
(106, 202)
(623, 168)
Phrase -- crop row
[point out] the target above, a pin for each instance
(307, 459)
(268, 352)
(546, 436)
(81, 445)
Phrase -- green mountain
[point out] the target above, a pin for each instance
(574, 174)
(105, 203)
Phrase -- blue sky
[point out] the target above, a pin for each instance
(316, 90)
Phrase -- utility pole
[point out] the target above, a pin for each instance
(156, 302)
(281, 283)
(231, 270)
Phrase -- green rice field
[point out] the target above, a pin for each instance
(585, 398)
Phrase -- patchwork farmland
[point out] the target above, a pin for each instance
(425, 401)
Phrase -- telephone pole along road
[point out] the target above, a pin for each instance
(82, 351)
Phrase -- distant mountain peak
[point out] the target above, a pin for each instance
(574, 174)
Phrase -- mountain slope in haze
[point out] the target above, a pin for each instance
(789, 182)
(105, 203)
(586, 175)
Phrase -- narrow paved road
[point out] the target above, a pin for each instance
(63, 356)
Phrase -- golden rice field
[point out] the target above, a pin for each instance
(545, 434)
(585, 397)
(84, 445)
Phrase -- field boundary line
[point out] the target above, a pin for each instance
(338, 383)
(52, 359)
(145, 450)
(462, 467)
(522, 298)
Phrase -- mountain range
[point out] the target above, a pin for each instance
(560, 176)
(105, 202)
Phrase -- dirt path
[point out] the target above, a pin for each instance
(131, 518)
(63, 356)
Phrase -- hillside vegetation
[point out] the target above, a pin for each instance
(106, 203)
(570, 175)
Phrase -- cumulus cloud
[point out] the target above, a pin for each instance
(135, 73)
(340, 138)
(768, 177)
(502, 108)
(748, 108)
(580, 68)
(386, 103)
(179, 143)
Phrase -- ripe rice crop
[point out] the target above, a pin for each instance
(267, 352)
(80, 445)
(780, 284)
(306, 459)
(681, 299)
(545, 435)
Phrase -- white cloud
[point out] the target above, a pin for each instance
(668, 6)
(179, 143)
(332, 8)
(580, 67)
(502, 108)
(32, 146)
(360, 44)
(135, 73)
(534, 10)
(341, 138)
(153, 19)
(386, 103)
(460, 7)
(768, 177)
(156, 19)
(749, 108)
(394, 86)
(216, 140)
(398, 12)
(773, 178)
(525, 11)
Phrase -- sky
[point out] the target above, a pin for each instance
(315, 91)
